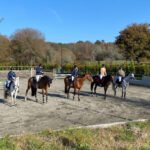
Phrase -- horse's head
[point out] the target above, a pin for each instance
(89, 77)
(49, 81)
(44, 81)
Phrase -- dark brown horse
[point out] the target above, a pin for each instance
(105, 82)
(76, 84)
(43, 84)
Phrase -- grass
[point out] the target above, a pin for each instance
(130, 136)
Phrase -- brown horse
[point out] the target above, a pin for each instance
(106, 81)
(76, 84)
(43, 84)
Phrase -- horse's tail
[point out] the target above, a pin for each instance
(5, 94)
(65, 81)
(33, 91)
(92, 85)
(112, 81)
(66, 91)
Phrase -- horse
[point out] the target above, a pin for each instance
(12, 91)
(105, 82)
(43, 84)
(122, 84)
(76, 84)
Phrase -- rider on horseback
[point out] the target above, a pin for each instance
(120, 74)
(74, 73)
(11, 77)
(39, 73)
(102, 72)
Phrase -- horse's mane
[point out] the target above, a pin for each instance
(47, 78)
(81, 76)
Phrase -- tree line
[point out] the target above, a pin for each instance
(28, 47)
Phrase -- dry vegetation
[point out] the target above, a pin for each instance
(129, 136)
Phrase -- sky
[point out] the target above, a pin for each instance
(69, 21)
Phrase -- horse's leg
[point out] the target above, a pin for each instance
(46, 94)
(27, 92)
(15, 96)
(115, 88)
(68, 90)
(12, 98)
(78, 94)
(74, 93)
(92, 84)
(43, 94)
(95, 88)
(105, 90)
(123, 92)
(36, 96)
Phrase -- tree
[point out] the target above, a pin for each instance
(107, 51)
(28, 46)
(5, 51)
(135, 41)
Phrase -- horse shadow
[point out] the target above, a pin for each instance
(5, 102)
(133, 101)
(56, 95)
(2, 101)
(63, 96)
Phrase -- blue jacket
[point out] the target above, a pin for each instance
(11, 75)
(39, 70)
(74, 72)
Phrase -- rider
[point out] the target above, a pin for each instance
(120, 74)
(74, 72)
(103, 71)
(11, 77)
(39, 73)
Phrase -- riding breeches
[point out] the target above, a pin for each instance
(101, 76)
(72, 78)
(119, 78)
(38, 77)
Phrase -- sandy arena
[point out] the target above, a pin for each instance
(59, 112)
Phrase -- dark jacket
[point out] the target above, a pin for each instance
(39, 70)
(11, 75)
(74, 72)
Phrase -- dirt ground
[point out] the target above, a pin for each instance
(59, 112)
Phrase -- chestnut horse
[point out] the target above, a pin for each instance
(105, 82)
(76, 84)
(43, 84)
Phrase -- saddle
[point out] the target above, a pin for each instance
(70, 79)
(35, 83)
(9, 85)
(98, 80)
(119, 82)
